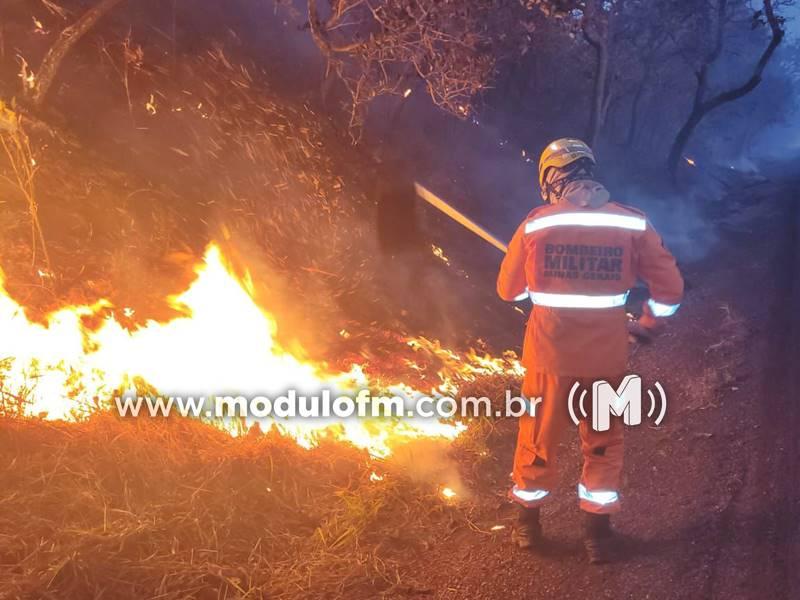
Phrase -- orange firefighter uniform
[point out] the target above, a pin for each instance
(577, 263)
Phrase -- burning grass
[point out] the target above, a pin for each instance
(174, 509)
(104, 507)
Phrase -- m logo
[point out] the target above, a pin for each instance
(625, 402)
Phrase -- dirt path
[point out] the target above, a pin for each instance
(710, 497)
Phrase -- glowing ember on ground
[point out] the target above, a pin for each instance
(223, 344)
(448, 493)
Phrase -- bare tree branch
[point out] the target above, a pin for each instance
(66, 41)
(381, 47)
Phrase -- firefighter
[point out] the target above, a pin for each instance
(576, 257)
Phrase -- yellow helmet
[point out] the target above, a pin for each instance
(559, 154)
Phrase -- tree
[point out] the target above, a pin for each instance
(597, 24)
(651, 35)
(69, 36)
(703, 104)
(384, 47)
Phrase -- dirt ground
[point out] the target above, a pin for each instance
(710, 498)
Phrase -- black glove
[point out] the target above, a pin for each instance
(639, 333)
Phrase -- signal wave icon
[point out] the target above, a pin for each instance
(625, 402)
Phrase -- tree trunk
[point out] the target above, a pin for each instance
(644, 82)
(599, 93)
(597, 27)
(676, 152)
(702, 107)
(66, 41)
(633, 126)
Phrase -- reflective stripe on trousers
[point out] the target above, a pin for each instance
(599, 497)
(528, 498)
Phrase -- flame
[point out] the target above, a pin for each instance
(448, 493)
(439, 253)
(150, 105)
(224, 343)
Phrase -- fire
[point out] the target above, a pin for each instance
(224, 343)
(439, 253)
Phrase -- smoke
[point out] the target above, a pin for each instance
(428, 461)
(681, 220)
(494, 181)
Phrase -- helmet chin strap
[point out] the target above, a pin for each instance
(557, 179)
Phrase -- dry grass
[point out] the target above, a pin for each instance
(174, 509)
(13, 402)
(19, 155)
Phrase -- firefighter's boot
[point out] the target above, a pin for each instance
(528, 532)
(599, 538)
